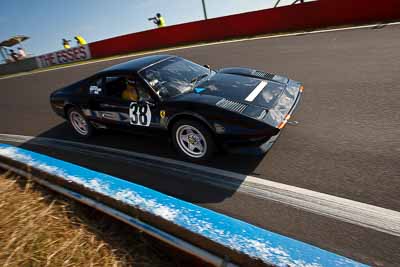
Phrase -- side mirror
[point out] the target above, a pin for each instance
(207, 66)
(143, 102)
(163, 93)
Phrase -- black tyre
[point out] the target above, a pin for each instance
(193, 140)
(79, 123)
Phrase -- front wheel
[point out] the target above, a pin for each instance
(193, 140)
(80, 124)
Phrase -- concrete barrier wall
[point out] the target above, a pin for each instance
(74, 54)
(19, 66)
(296, 17)
(308, 15)
(64, 56)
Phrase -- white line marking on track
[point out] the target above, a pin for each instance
(341, 209)
(200, 45)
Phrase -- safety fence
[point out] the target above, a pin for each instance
(309, 15)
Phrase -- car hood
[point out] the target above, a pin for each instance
(249, 90)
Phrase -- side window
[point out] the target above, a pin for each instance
(96, 87)
(115, 85)
(124, 87)
(143, 91)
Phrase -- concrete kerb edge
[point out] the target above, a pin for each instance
(245, 244)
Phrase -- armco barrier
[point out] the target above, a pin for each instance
(308, 15)
(19, 66)
(209, 235)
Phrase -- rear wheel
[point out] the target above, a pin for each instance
(193, 140)
(79, 123)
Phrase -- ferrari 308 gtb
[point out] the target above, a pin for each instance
(201, 109)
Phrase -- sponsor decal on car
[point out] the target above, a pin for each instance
(162, 114)
(139, 115)
(94, 90)
(256, 91)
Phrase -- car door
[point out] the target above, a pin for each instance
(109, 109)
(144, 114)
(105, 108)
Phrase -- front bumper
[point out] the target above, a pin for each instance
(255, 149)
(260, 148)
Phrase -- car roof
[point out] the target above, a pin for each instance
(135, 65)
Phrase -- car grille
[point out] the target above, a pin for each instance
(264, 75)
(231, 105)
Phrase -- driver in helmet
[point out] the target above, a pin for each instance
(130, 93)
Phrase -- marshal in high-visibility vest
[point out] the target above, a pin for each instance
(79, 39)
(161, 22)
(66, 44)
(158, 20)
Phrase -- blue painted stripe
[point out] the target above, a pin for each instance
(256, 242)
(198, 90)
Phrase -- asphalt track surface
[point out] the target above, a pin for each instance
(347, 142)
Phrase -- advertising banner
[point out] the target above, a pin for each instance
(73, 54)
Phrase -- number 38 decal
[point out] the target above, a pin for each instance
(139, 114)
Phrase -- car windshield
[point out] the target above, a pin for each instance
(174, 76)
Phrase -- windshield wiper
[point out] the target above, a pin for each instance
(198, 78)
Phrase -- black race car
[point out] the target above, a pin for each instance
(201, 109)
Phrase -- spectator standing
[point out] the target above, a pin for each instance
(66, 44)
(158, 20)
(79, 40)
(21, 53)
(14, 55)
